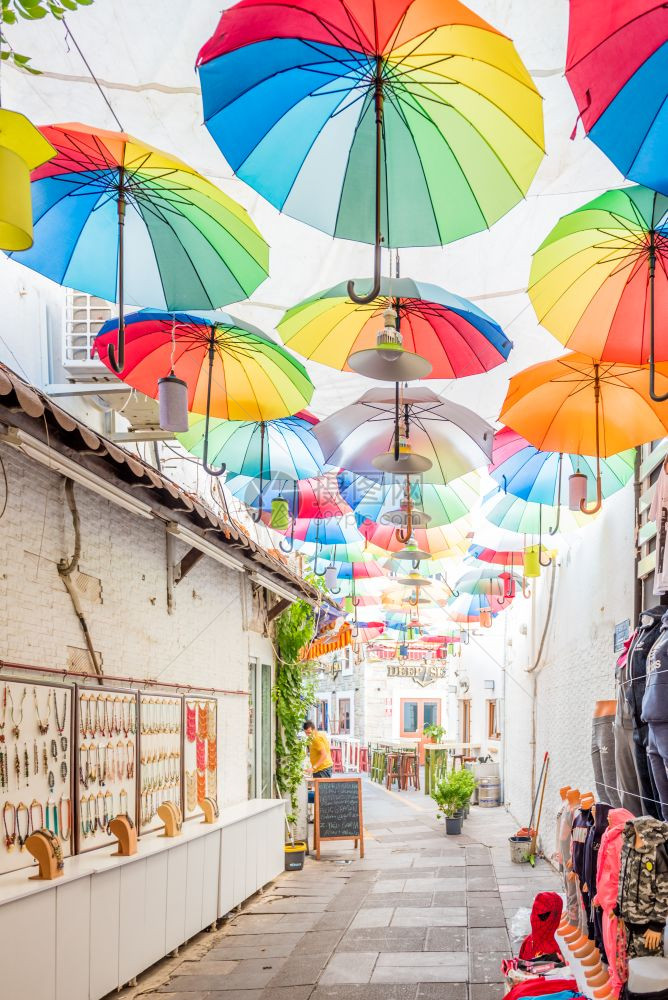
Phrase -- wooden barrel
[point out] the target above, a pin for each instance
(489, 792)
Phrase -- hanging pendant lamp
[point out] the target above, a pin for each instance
(399, 517)
(577, 491)
(331, 579)
(173, 403)
(389, 361)
(280, 514)
(486, 618)
(414, 580)
(22, 149)
(412, 552)
(532, 561)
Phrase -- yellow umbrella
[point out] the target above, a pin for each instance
(587, 407)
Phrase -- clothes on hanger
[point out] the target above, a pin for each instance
(583, 819)
(603, 759)
(655, 713)
(642, 897)
(592, 848)
(649, 628)
(607, 887)
(658, 512)
(625, 766)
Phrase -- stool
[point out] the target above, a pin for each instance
(409, 771)
(337, 760)
(393, 770)
(364, 760)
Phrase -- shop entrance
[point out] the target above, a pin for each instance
(416, 713)
(259, 730)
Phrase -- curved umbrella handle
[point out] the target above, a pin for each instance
(287, 547)
(401, 534)
(554, 530)
(118, 362)
(597, 397)
(599, 496)
(526, 590)
(260, 510)
(378, 99)
(540, 539)
(364, 300)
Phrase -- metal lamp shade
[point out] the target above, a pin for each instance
(532, 561)
(173, 403)
(399, 518)
(331, 577)
(577, 490)
(280, 514)
(389, 364)
(407, 465)
(412, 552)
(413, 580)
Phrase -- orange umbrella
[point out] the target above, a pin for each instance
(586, 407)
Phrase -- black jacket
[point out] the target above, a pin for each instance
(649, 627)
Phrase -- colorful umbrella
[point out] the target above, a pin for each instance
(512, 514)
(381, 497)
(231, 369)
(314, 498)
(454, 439)
(468, 607)
(119, 219)
(616, 66)
(318, 105)
(579, 405)
(513, 557)
(455, 336)
(283, 448)
(542, 476)
(488, 581)
(595, 277)
(439, 542)
(367, 631)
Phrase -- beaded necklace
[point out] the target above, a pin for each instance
(4, 769)
(200, 754)
(201, 785)
(201, 721)
(115, 721)
(35, 758)
(51, 816)
(60, 723)
(40, 812)
(191, 723)
(22, 809)
(10, 838)
(211, 721)
(211, 755)
(125, 722)
(42, 723)
(123, 802)
(108, 810)
(16, 732)
(65, 830)
(84, 715)
(191, 791)
(130, 756)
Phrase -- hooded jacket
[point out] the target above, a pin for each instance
(655, 698)
(642, 897)
(610, 859)
(623, 716)
(649, 626)
(545, 916)
(593, 845)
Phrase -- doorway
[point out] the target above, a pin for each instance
(416, 713)
(259, 760)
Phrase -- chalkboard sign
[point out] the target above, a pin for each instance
(338, 811)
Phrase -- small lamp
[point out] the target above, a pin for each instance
(485, 618)
(173, 403)
(532, 561)
(22, 148)
(577, 490)
(279, 514)
(331, 578)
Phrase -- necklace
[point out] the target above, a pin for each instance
(51, 816)
(108, 810)
(200, 754)
(211, 755)
(191, 791)
(10, 838)
(56, 848)
(2, 717)
(130, 755)
(201, 721)
(125, 722)
(35, 758)
(45, 759)
(60, 722)
(211, 721)
(100, 818)
(16, 732)
(42, 723)
(191, 723)
(17, 765)
(115, 721)
(65, 830)
(4, 770)
(26, 764)
(36, 805)
(201, 785)
(123, 802)
(211, 789)
(22, 809)
(84, 715)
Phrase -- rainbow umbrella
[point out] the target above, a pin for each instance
(542, 476)
(468, 607)
(439, 542)
(231, 369)
(509, 512)
(488, 581)
(375, 498)
(119, 219)
(333, 111)
(315, 498)
(453, 334)
(514, 557)
(368, 631)
(616, 66)
(597, 275)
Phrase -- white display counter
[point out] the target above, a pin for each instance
(107, 918)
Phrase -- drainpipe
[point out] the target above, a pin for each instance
(534, 671)
(66, 568)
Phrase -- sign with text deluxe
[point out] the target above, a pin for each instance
(338, 812)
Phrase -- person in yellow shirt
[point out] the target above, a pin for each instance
(319, 751)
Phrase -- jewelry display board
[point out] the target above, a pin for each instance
(106, 722)
(35, 767)
(200, 754)
(160, 730)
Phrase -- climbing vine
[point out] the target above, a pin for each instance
(294, 694)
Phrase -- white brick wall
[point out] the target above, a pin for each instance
(203, 642)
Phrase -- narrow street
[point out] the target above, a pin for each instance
(421, 916)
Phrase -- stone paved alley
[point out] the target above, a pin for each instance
(421, 916)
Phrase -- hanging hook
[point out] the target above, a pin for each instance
(284, 546)
(526, 590)
(540, 538)
(260, 510)
(657, 397)
(599, 486)
(205, 455)
(117, 362)
(555, 528)
(378, 99)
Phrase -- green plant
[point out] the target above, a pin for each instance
(434, 732)
(31, 10)
(453, 792)
(293, 696)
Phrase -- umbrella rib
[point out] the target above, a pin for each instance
(365, 109)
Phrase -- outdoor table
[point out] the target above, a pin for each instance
(436, 759)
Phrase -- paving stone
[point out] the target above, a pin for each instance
(435, 884)
(445, 939)
(421, 967)
(435, 916)
(483, 939)
(266, 923)
(442, 991)
(377, 917)
(367, 992)
(400, 899)
(233, 981)
(318, 942)
(280, 993)
(384, 939)
(353, 968)
(304, 905)
(483, 883)
(254, 946)
(473, 871)
(486, 967)
(206, 966)
(337, 920)
(301, 970)
(198, 994)
(388, 885)
(449, 899)
(486, 915)
(487, 991)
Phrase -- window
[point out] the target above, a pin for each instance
(85, 316)
(465, 718)
(493, 729)
(344, 716)
(322, 715)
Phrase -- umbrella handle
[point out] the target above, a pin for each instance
(657, 397)
(118, 362)
(205, 456)
(540, 535)
(378, 98)
(260, 510)
(555, 529)
(400, 534)
(599, 487)
(526, 591)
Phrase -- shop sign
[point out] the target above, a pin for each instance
(622, 632)
(421, 673)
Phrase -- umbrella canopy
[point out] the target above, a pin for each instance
(283, 448)
(512, 514)
(367, 569)
(329, 532)
(318, 105)
(119, 219)
(453, 334)
(454, 439)
(514, 557)
(542, 476)
(316, 498)
(486, 580)
(439, 542)
(252, 377)
(554, 406)
(616, 66)
(367, 631)
(467, 607)
(590, 278)
(371, 498)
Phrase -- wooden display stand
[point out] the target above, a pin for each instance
(45, 848)
(170, 814)
(210, 810)
(125, 832)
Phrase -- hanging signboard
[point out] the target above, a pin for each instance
(338, 812)
(622, 632)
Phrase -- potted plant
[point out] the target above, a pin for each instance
(293, 696)
(451, 794)
(432, 731)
